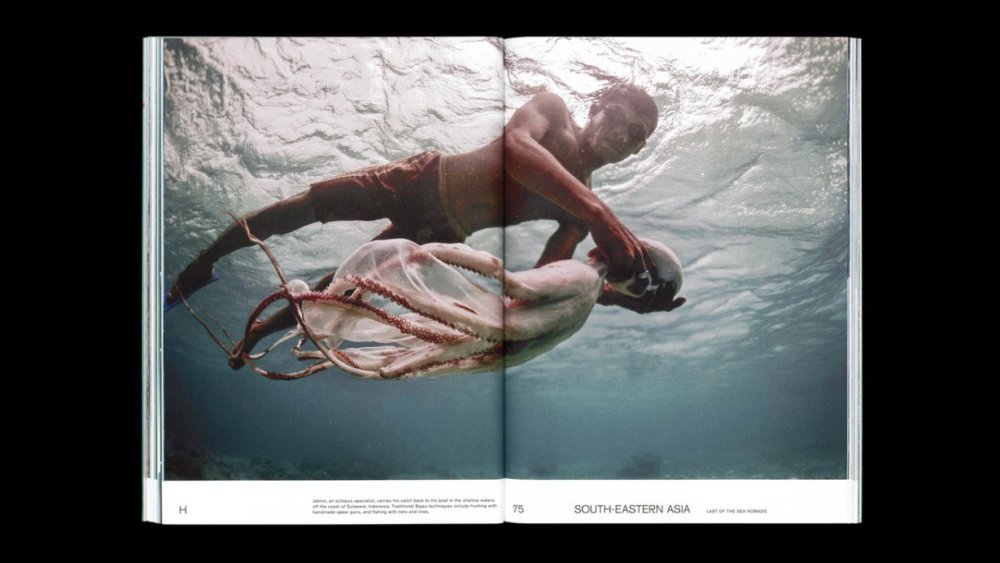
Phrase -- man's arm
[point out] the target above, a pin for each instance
(562, 244)
(533, 166)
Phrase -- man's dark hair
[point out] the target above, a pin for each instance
(636, 96)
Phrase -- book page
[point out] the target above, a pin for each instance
(249, 124)
(733, 407)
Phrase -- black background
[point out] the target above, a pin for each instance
(101, 478)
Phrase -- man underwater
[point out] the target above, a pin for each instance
(539, 169)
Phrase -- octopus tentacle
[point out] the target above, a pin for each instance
(419, 308)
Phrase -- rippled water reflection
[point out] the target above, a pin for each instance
(745, 177)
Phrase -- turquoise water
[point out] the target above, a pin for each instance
(745, 178)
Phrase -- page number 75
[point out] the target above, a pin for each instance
(518, 508)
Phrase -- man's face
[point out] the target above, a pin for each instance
(618, 131)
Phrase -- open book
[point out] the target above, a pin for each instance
(481, 362)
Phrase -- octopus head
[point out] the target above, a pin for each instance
(666, 273)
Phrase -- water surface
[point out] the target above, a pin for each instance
(745, 177)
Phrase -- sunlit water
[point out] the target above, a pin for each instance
(745, 177)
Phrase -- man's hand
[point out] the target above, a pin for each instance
(196, 276)
(624, 253)
(660, 300)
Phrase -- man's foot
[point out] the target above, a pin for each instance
(196, 276)
(236, 356)
(244, 346)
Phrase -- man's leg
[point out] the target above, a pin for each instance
(279, 218)
(284, 319)
(346, 198)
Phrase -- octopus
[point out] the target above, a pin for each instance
(397, 309)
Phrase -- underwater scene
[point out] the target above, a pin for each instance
(745, 177)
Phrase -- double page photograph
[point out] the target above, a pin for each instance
(436, 280)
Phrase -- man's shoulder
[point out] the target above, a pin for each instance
(548, 98)
(549, 103)
(553, 109)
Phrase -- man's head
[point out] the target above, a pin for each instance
(621, 119)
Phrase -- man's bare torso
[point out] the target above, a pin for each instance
(483, 196)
